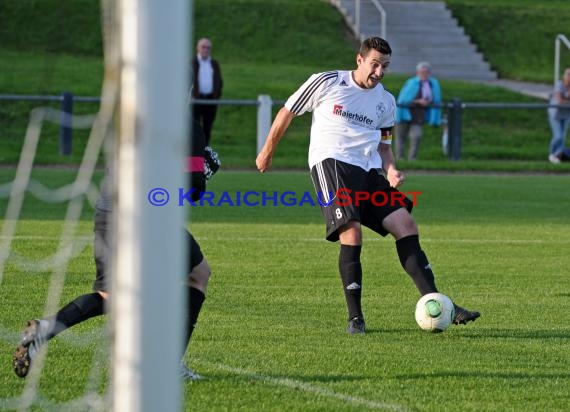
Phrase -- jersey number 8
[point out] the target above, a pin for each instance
(338, 213)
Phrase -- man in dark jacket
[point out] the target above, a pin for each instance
(207, 84)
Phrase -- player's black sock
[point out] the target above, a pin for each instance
(82, 308)
(415, 263)
(195, 300)
(351, 274)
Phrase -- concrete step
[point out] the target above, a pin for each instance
(419, 39)
(442, 49)
(398, 64)
(475, 60)
(466, 75)
(447, 29)
(409, 66)
(441, 46)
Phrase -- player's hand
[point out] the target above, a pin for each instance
(263, 161)
(395, 177)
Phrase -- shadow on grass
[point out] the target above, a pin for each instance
(472, 332)
(520, 334)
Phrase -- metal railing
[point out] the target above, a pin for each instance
(357, 16)
(559, 39)
(455, 110)
(264, 103)
(382, 18)
(67, 99)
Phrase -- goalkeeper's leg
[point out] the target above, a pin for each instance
(39, 331)
(197, 285)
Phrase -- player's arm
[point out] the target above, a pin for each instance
(394, 176)
(305, 99)
(278, 129)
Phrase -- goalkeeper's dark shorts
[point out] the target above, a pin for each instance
(196, 256)
(101, 251)
(341, 190)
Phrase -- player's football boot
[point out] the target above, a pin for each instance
(462, 315)
(32, 339)
(356, 326)
(187, 374)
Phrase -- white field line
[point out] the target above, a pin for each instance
(306, 387)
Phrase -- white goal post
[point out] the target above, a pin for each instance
(148, 271)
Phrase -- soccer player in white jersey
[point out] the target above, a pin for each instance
(350, 156)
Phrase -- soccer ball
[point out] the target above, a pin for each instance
(434, 312)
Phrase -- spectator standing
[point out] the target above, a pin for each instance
(207, 84)
(559, 118)
(418, 94)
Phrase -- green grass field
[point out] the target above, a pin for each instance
(271, 335)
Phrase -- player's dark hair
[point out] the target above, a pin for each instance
(374, 43)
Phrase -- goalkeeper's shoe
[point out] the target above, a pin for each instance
(356, 326)
(462, 315)
(32, 339)
(187, 374)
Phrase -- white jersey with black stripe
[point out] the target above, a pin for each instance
(346, 118)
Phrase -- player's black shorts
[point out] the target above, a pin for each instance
(101, 250)
(347, 192)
